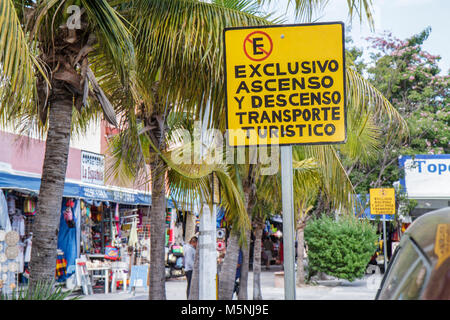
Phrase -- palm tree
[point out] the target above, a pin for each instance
(47, 84)
(180, 73)
(177, 54)
(262, 211)
(365, 100)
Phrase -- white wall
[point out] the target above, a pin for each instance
(90, 141)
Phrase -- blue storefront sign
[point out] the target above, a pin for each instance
(426, 176)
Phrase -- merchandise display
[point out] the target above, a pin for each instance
(15, 242)
(9, 251)
(12, 238)
(109, 238)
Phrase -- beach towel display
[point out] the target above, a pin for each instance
(61, 267)
(29, 207)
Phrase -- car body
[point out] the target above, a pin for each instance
(420, 266)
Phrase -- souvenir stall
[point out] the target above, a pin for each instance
(221, 235)
(17, 211)
(273, 228)
(20, 195)
(114, 237)
(93, 229)
(174, 243)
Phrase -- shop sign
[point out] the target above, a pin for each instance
(92, 167)
(94, 193)
(285, 84)
(426, 176)
(382, 201)
(123, 197)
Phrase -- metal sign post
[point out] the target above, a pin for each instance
(288, 222)
(382, 202)
(285, 85)
(384, 243)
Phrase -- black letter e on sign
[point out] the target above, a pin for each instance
(256, 45)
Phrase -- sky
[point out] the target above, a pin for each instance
(403, 18)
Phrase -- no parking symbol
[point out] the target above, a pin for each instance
(258, 46)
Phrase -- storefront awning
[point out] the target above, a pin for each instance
(114, 195)
(32, 184)
(76, 190)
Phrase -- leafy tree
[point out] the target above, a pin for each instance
(411, 80)
(341, 248)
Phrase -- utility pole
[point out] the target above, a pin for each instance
(288, 222)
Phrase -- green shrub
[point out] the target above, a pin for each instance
(341, 248)
(44, 290)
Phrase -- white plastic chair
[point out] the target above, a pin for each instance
(82, 276)
(119, 272)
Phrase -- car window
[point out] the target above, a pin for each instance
(412, 283)
(405, 259)
(409, 271)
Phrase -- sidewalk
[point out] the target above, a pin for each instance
(362, 289)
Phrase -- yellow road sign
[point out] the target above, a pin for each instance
(285, 84)
(382, 201)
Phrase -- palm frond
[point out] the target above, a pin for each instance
(335, 181)
(130, 154)
(179, 43)
(364, 98)
(363, 137)
(116, 39)
(17, 65)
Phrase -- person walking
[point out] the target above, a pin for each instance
(268, 247)
(189, 258)
(237, 279)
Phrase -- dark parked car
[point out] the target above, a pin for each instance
(420, 266)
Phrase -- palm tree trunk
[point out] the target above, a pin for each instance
(46, 223)
(243, 281)
(257, 294)
(194, 291)
(157, 232)
(190, 226)
(228, 270)
(300, 254)
(249, 198)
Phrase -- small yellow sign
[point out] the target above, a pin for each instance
(285, 84)
(382, 201)
(442, 243)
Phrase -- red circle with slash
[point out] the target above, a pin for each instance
(258, 48)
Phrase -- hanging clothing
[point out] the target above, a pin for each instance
(77, 216)
(133, 239)
(28, 243)
(61, 267)
(20, 256)
(5, 223)
(11, 200)
(29, 207)
(18, 224)
(67, 238)
(117, 220)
